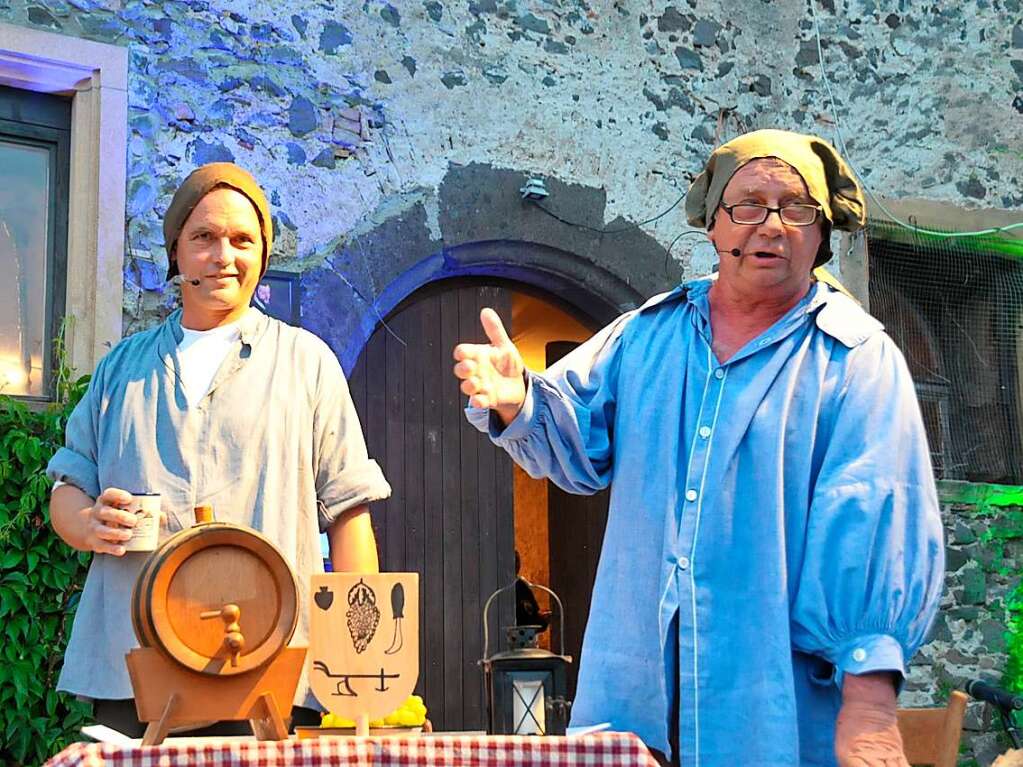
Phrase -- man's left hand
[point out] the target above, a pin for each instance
(867, 731)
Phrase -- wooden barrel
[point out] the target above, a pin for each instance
(217, 598)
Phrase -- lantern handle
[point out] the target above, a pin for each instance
(486, 609)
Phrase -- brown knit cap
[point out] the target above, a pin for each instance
(201, 182)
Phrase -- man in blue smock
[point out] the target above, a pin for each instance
(773, 554)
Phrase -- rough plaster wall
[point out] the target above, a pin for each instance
(628, 96)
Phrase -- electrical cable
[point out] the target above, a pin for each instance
(845, 152)
(555, 216)
(667, 253)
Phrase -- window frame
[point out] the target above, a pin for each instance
(95, 77)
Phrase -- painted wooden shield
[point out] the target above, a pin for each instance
(364, 641)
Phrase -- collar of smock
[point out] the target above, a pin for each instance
(838, 315)
(251, 326)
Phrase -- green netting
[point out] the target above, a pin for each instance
(955, 308)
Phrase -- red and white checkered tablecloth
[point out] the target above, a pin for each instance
(613, 749)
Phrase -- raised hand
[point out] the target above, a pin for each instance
(492, 374)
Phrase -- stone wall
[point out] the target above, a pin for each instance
(984, 562)
(351, 114)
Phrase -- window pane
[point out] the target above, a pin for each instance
(24, 221)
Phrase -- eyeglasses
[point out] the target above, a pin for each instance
(797, 214)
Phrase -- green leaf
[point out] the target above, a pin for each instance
(48, 576)
(18, 679)
(51, 702)
(10, 559)
(16, 626)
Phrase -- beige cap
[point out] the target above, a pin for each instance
(829, 180)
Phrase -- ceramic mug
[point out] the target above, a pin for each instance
(145, 536)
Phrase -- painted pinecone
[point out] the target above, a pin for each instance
(363, 615)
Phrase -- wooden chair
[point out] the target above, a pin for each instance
(930, 736)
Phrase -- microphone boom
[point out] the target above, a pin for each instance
(994, 695)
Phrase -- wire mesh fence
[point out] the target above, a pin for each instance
(955, 309)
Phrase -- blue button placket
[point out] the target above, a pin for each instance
(686, 553)
(693, 492)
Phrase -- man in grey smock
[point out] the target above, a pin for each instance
(219, 404)
(773, 554)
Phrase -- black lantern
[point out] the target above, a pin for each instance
(525, 686)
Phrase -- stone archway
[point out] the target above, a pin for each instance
(477, 224)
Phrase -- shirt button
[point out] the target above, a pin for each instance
(859, 655)
(719, 373)
(683, 563)
(691, 495)
(705, 431)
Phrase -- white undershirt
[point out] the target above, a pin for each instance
(200, 354)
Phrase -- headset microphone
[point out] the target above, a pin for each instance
(734, 251)
(179, 279)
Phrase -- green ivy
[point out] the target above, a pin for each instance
(1010, 527)
(1013, 678)
(40, 582)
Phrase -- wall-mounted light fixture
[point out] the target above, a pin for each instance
(534, 189)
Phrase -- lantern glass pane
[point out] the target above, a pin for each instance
(528, 702)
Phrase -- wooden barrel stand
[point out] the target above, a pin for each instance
(213, 610)
(169, 696)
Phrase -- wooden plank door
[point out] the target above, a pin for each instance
(450, 517)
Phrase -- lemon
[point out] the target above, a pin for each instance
(333, 720)
(408, 719)
(411, 713)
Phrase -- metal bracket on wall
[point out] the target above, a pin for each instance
(534, 190)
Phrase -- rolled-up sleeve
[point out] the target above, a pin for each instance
(77, 463)
(564, 430)
(873, 566)
(346, 476)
